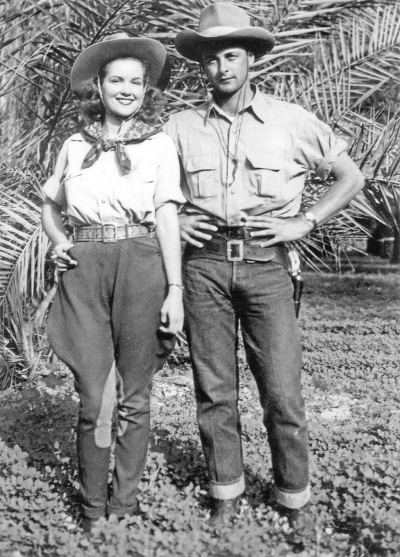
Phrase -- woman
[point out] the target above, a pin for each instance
(119, 303)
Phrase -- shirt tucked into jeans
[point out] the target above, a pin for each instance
(255, 163)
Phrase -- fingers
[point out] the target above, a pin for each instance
(164, 315)
(193, 227)
(193, 237)
(61, 257)
(268, 243)
(61, 267)
(173, 327)
(190, 240)
(263, 232)
(207, 226)
(171, 316)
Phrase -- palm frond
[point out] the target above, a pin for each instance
(22, 271)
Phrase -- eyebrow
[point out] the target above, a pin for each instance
(230, 50)
(111, 76)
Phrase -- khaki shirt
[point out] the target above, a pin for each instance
(276, 145)
(101, 194)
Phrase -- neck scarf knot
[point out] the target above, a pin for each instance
(132, 131)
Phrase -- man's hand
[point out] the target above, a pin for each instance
(280, 230)
(192, 229)
(61, 258)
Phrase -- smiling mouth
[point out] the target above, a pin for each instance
(125, 101)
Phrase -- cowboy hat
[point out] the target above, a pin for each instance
(219, 23)
(89, 63)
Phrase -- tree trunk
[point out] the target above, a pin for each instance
(396, 247)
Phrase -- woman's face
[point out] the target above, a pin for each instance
(123, 87)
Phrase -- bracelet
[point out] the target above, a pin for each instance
(178, 285)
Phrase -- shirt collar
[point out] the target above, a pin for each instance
(255, 105)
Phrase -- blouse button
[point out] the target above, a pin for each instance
(103, 200)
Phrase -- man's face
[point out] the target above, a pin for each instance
(227, 68)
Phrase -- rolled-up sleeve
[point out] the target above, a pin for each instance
(168, 174)
(54, 187)
(318, 146)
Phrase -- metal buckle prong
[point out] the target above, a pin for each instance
(103, 229)
(234, 250)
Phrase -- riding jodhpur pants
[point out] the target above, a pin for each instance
(104, 325)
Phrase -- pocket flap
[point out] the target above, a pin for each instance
(202, 162)
(146, 173)
(72, 175)
(261, 160)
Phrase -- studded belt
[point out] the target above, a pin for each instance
(108, 232)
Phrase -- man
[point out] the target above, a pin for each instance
(244, 158)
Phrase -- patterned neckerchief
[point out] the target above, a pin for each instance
(132, 131)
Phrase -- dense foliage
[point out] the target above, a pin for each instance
(350, 328)
(339, 58)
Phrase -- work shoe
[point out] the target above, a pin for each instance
(87, 524)
(223, 510)
(298, 519)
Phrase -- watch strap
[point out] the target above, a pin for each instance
(308, 215)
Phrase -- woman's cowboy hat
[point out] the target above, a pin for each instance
(219, 23)
(89, 63)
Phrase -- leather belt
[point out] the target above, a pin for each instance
(239, 250)
(108, 232)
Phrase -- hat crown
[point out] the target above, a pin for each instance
(223, 15)
(117, 37)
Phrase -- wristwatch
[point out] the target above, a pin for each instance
(308, 215)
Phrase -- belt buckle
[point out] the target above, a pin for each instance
(234, 250)
(103, 229)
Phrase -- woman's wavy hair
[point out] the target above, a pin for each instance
(92, 107)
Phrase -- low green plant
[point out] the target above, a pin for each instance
(350, 328)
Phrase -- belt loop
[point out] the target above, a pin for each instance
(126, 231)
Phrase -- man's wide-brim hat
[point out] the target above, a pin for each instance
(149, 51)
(221, 23)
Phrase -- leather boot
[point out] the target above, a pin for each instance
(87, 524)
(223, 510)
(299, 519)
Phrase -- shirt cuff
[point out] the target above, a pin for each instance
(325, 166)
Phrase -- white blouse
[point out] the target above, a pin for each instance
(101, 194)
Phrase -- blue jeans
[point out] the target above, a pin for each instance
(219, 294)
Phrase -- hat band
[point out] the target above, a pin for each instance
(219, 31)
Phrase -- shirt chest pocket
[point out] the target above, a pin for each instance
(147, 173)
(73, 182)
(73, 176)
(203, 175)
(266, 173)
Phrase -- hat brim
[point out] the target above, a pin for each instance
(89, 63)
(191, 43)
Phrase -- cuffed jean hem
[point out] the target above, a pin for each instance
(227, 491)
(293, 500)
(94, 514)
(120, 512)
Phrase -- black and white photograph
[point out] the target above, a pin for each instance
(199, 278)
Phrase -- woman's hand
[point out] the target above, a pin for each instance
(61, 258)
(172, 311)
